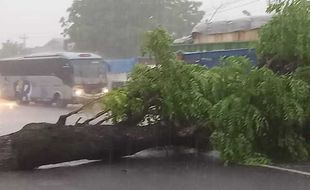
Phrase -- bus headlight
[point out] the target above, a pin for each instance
(105, 90)
(78, 92)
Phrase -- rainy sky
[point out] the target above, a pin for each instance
(39, 19)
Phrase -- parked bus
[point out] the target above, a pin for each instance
(60, 78)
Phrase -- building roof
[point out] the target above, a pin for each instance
(65, 55)
(184, 40)
(227, 26)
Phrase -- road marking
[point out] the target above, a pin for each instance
(286, 170)
(67, 164)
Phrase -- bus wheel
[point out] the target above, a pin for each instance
(60, 103)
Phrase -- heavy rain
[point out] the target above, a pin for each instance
(154, 94)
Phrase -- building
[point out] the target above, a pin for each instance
(239, 30)
(119, 69)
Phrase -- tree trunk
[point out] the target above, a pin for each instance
(42, 143)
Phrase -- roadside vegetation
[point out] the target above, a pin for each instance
(252, 115)
(285, 41)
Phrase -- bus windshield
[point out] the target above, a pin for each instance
(91, 68)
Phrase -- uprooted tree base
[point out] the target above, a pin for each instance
(42, 143)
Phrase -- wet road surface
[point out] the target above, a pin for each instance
(140, 172)
(13, 117)
(155, 174)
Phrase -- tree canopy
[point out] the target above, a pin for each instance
(285, 41)
(115, 28)
(238, 104)
(11, 49)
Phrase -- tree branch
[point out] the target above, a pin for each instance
(77, 122)
(95, 117)
(63, 118)
(104, 120)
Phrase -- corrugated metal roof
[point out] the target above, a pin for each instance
(227, 26)
(64, 55)
(183, 40)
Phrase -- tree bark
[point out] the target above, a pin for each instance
(42, 143)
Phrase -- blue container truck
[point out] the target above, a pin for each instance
(212, 58)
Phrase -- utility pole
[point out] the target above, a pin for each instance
(24, 38)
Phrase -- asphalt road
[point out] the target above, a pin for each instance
(155, 174)
(148, 170)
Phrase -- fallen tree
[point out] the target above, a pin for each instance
(42, 143)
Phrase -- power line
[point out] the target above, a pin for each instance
(242, 5)
(234, 7)
(216, 9)
(227, 3)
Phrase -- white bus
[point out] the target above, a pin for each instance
(59, 78)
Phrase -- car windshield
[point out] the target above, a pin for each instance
(154, 94)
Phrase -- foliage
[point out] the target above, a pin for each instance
(166, 90)
(11, 49)
(284, 41)
(115, 27)
(254, 115)
(116, 101)
(302, 73)
(260, 114)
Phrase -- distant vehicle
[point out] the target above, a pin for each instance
(59, 78)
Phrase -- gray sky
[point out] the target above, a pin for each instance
(39, 19)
